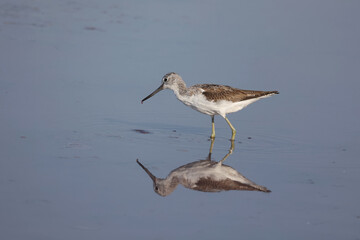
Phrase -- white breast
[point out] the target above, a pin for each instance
(201, 104)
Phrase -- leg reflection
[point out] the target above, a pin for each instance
(232, 146)
(211, 147)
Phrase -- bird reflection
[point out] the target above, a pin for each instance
(204, 175)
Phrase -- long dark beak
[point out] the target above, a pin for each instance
(147, 171)
(153, 93)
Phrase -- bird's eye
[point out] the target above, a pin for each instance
(165, 79)
(156, 188)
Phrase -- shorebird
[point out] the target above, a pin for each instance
(204, 175)
(211, 99)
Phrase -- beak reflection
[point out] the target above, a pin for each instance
(147, 171)
(204, 175)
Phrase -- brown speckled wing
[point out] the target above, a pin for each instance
(215, 93)
(210, 185)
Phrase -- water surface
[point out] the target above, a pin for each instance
(71, 79)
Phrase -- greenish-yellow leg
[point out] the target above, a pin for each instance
(213, 128)
(232, 128)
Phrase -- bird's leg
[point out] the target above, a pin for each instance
(212, 128)
(232, 146)
(232, 129)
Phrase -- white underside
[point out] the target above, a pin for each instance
(222, 107)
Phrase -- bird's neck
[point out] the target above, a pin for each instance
(169, 184)
(180, 89)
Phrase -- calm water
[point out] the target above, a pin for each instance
(72, 74)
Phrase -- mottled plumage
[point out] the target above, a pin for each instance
(211, 99)
(204, 176)
(209, 185)
(214, 92)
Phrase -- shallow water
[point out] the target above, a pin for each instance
(71, 79)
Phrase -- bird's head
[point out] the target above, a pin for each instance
(169, 81)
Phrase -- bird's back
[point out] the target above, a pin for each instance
(210, 185)
(214, 92)
(211, 176)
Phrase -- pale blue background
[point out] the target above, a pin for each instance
(72, 74)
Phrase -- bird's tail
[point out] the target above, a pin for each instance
(272, 92)
(262, 188)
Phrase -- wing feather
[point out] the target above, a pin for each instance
(215, 93)
(210, 185)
